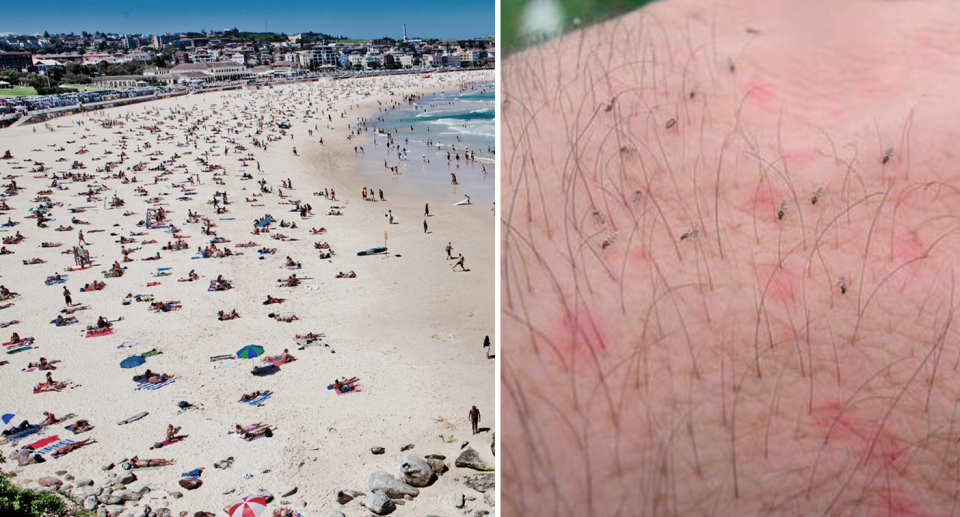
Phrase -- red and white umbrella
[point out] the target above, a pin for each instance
(249, 506)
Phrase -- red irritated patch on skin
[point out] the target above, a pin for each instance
(874, 448)
(761, 94)
(778, 284)
(799, 157)
(907, 247)
(764, 202)
(579, 336)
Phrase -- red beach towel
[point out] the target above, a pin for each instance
(39, 444)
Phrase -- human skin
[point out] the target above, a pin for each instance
(729, 263)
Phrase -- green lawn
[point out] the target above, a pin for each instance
(23, 91)
(17, 91)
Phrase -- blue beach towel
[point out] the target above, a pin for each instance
(258, 400)
(54, 446)
(145, 385)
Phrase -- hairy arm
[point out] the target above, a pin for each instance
(729, 263)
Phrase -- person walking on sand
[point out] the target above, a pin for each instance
(426, 210)
(424, 226)
(66, 297)
(449, 249)
(474, 418)
(81, 239)
(460, 260)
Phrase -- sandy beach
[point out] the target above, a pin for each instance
(408, 326)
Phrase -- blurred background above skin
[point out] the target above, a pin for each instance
(524, 22)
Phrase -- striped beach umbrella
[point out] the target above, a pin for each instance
(249, 506)
(249, 352)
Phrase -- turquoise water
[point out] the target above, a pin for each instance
(441, 119)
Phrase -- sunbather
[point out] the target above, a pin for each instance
(272, 300)
(73, 446)
(50, 420)
(81, 426)
(345, 386)
(136, 462)
(351, 274)
(60, 321)
(44, 364)
(158, 378)
(165, 306)
(222, 316)
(292, 281)
(190, 277)
(286, 319)
(247, 397)
(311, 336)
(172, 432)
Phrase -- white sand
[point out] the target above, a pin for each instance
(408, 327)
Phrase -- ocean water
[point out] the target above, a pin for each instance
(453, 120)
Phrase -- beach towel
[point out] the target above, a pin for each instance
(58, 387)
(53, 447)
(195, 473)
(128, 344)
(150, 354)
(227, 364)
(169, 442)
(14, 438)
(151, 284)
(73, 429)
(39, 444)
(98, 333)
(50, 448)
(23, 342)
(145, 385)
(258, 400)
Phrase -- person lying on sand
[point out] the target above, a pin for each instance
(271, 251)
(81, 426)
(5, 251)
(136, 462)
(44, 364)
(71, 310)
(247, 397)
(154, 378)
(72, 446)
(286, 319)
(351, 274)
(224, 316)
(272, 300)
(190, 277)
(345, 386)
(165, 306)
(252, 431)
(311, 336)
(315, 231)
(34, 261)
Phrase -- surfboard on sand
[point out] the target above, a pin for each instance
(134, 418)
(464, 202)
(372, 251)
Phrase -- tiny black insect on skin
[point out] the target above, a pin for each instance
(842, 284)
(887, 155)
(816, 196)
(782, 210)
(672, 122)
